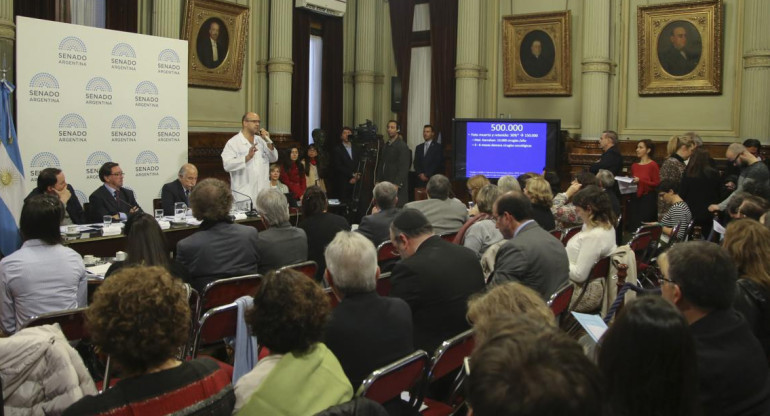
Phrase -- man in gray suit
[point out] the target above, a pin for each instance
(446, 215)
(531, 255)
(280, 244)
(220, 248)
(376, 227)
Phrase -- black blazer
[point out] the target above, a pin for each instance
(610, 160)
(367, 331)
(103, 203)
(321, 229)
(74, 209)
(344, 165)
(436, 282)
(171, 193)
(429, 164)
(376, 227)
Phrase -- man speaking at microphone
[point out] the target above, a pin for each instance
(111, 198)
(247, 157)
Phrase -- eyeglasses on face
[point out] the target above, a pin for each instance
(662, 279)
(117, 174)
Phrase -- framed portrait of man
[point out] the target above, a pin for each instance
(536, 54)
(216, 33)
(680, 48)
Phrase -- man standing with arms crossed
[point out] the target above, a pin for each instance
(247, 157)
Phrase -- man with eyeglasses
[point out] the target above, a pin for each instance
(699, 278)
(247, 157)
(112, 198)
(751, 171)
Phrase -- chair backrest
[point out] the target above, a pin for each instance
(157, 203)
(654, 230)
(601, 268)
(569, 233)
(406, 374)
(386, 251)
(688, 231)
(640, 244)
(449, 236)
(556, 233)
(72, 322)
(223, 291)
(308, 268)
(93, 284)
(216, 324)
(383, 284)
(559, 301)
(450, 354)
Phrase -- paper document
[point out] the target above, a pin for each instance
(718, 227)
(99, 269)
(593, 324)
(626, 185)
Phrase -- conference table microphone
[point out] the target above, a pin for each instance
(252, 212)
(139, 209)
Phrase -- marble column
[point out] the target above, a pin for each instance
(280, 67)
(7, 37)
(755, 106)
(467, 71)
(261, 12)
(89, 12)
(348, 63)
(364, 75)
(167, 18)
(596, 66)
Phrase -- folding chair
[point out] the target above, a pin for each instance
(449, 236)
(383, 284)
(556, 233)
(386, 251)
(688, 231)
(569, 233)
(654, 229)
(643, 247)
(559, 301)
(448, 358)
(223, 291)
(406, 374)
(308, 268)
(216, 324)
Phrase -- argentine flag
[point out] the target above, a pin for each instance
(11, 176)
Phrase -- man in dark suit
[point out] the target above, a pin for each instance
(428, 157)
(675, 60)
(211, 51)
(366, 331)
(179, 190)
(220, 248)
(280, 244)
(611, 158)
(531, 255)
(345, 157)
(52, 181)
(435, 277)
(376, 227)
(112, 198)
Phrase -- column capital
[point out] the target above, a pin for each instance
(757, 59)
(280, 65)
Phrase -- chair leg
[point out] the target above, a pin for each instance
(106, 380)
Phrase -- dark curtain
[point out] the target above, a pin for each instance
(443, 39)
(331, 92)
(56, 10)
(300, 77)
(122, 15)
(401, 17)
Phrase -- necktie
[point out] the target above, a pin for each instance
(427, 145)
(117, 199)
(187, 197)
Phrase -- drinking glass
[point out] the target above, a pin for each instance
(179, 211)
(158, 214)
(107, 219)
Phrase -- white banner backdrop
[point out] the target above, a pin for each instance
(86, 96)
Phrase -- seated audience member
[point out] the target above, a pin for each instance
(508, 299)
(300, 376)
(678, 213)
(112, 198)
(748, 244)
(293, 173)
(280, 244)
(553, 179)
(473, 185)
(434, 276)
(41, 373)
(320, 226)
(366, 331)
(530, 368)
(140, 317)
(42, 276)
(523, 178)
(752, 170)
(699, 279)
(219, 248)
(647, 358)
(376, 227)
(508, 183)
(530, 255)
(275, 179)
(146, 246)
(563, 209)
(179, 189)
(735, 204)
(480, 232)
(539, 193)
(445, 213)
(52, 181)
(752, 207)
(596, 239)
(607, 182)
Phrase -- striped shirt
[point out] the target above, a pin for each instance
(678, 214)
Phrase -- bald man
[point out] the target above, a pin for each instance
(247, 157)
(179, 190)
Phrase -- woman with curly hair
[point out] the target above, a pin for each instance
(320, 226)
(748, 243)
(301, 376)
(140, 317)
(538, 190)
(293, 173)
(597, 238)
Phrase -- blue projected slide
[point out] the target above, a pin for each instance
(494, 149)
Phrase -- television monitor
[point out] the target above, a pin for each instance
(499, 147)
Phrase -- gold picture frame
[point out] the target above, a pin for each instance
(680, 48)
(536, 54)
(216, 32)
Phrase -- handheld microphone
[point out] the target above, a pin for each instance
(252, 212)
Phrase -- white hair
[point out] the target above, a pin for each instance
(508, 183)
(351, 259)
(272, 205)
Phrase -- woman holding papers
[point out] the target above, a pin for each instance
(646, 176)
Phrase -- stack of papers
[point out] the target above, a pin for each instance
(112, 229)
(98, 270)
(626, 185)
